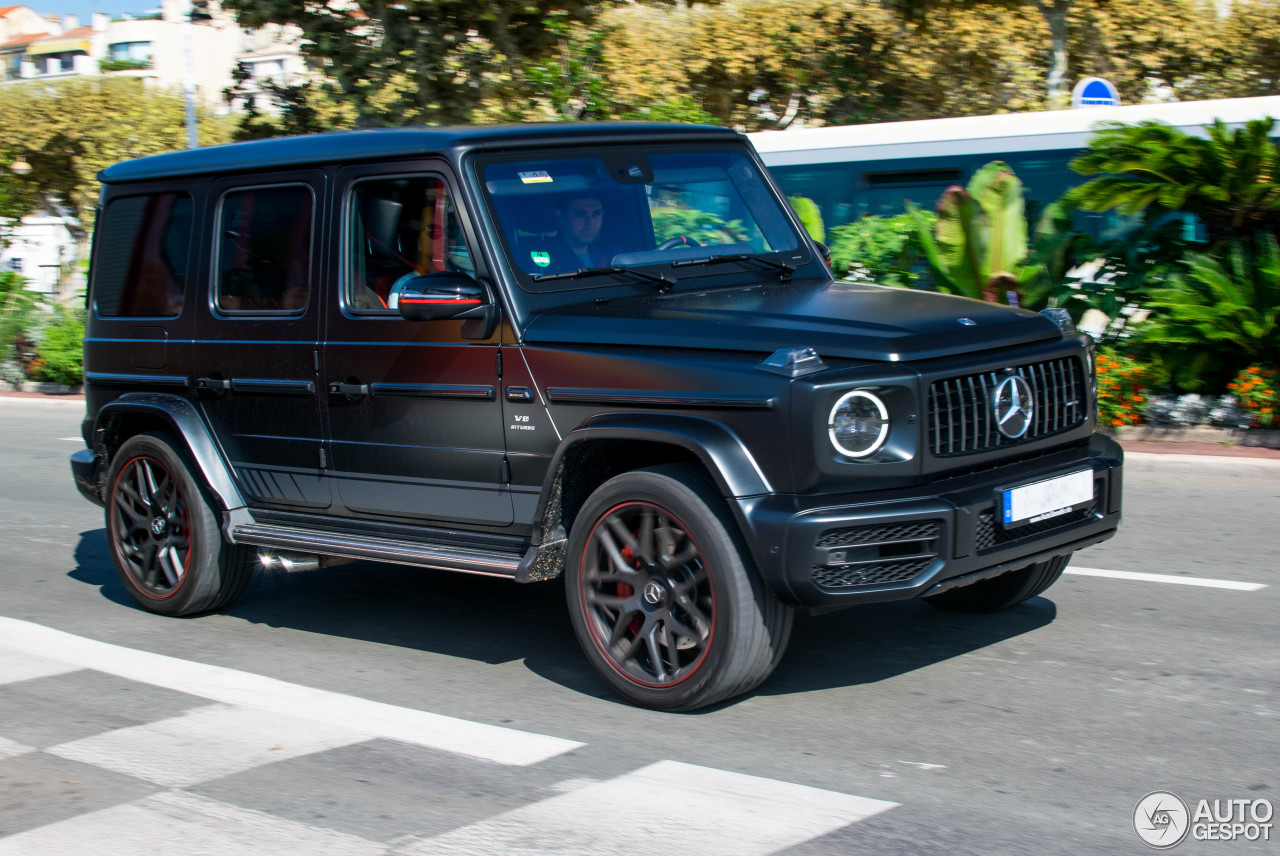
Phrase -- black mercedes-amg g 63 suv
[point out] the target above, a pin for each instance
(607, 352)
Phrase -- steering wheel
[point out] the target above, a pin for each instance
(678, 241)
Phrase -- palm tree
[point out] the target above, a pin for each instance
(1219, 316)
(1230, 180)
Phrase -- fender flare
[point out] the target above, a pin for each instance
(721, 451)
(725, 456)
(185, 421)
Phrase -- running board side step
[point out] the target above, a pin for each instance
(442, 557)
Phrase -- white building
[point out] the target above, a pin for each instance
(151, 47)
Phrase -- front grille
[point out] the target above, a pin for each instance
(857, 535)
(961, 421)
(852, 576)
(855, 556)
(987, 533)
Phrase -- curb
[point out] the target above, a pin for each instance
(42, 388)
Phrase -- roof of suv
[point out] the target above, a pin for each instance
(388, 143)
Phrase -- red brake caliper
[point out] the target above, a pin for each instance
(625, 589)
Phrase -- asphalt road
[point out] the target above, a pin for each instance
(886, 729)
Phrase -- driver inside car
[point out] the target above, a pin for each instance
(577, 242)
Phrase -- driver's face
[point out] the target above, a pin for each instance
(583, 218)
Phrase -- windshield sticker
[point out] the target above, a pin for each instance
(539, 177)
(540, 258)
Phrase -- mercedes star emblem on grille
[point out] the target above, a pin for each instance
(1012, 405)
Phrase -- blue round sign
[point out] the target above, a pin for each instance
(1095, 92)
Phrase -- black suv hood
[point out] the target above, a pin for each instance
(838, 319)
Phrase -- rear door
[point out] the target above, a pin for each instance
(256, 356)
(413, 412)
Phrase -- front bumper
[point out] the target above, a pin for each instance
(835, 551)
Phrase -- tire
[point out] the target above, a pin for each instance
(1005, 591)
(164, 535)
(662, 596)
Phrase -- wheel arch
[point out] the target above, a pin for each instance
(611, 444)
(136, 413)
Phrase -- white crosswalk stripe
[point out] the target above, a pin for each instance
(180, 824)
(23, 666)
(231, 686)
(11, 749)
(718, 813)
(668, 807)
(206, 743)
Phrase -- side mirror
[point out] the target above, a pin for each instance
(825, 251)
(441, 295)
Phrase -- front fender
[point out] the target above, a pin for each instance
(720, 450)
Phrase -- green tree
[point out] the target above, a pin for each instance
(1219, 315)
(978, 243)
(60, 353)
(883, 250)
(71, 130)
(1229, 179)
(417, 61)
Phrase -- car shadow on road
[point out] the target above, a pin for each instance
(868, 644)
(494, 621)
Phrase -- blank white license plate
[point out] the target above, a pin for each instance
(1043, 500)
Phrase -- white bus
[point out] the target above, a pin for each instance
(855, 170)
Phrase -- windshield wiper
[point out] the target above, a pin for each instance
(784, 270)
(664, 283)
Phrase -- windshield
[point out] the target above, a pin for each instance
(628, 209)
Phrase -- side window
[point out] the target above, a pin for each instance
(264, 250)
(399, 228)
(141, 265)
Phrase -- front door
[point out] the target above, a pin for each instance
(255, 357)
(414, 418)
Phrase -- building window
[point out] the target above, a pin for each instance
(131, 51)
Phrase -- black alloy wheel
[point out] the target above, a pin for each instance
(650, 604)
(164, 534)
(150, 526)
(664, 600)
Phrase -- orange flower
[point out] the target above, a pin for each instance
(1117, 421)
(1266, 410)
(1137, 398)
(1232, 385)
(1252, 370)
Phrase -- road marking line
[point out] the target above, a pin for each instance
(204, 744)
(718, 813)
(231, 686)
(12, 749)
(14, 668)
(1166, 578)
(181, 823)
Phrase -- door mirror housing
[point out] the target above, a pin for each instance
(440, 296)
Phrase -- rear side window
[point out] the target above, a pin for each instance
(264, 250)
(144, 243)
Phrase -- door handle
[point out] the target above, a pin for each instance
(337, 388)
(213, 384)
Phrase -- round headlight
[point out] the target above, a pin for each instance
(859, 424)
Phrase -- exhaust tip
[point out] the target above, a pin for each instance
(291, 563)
